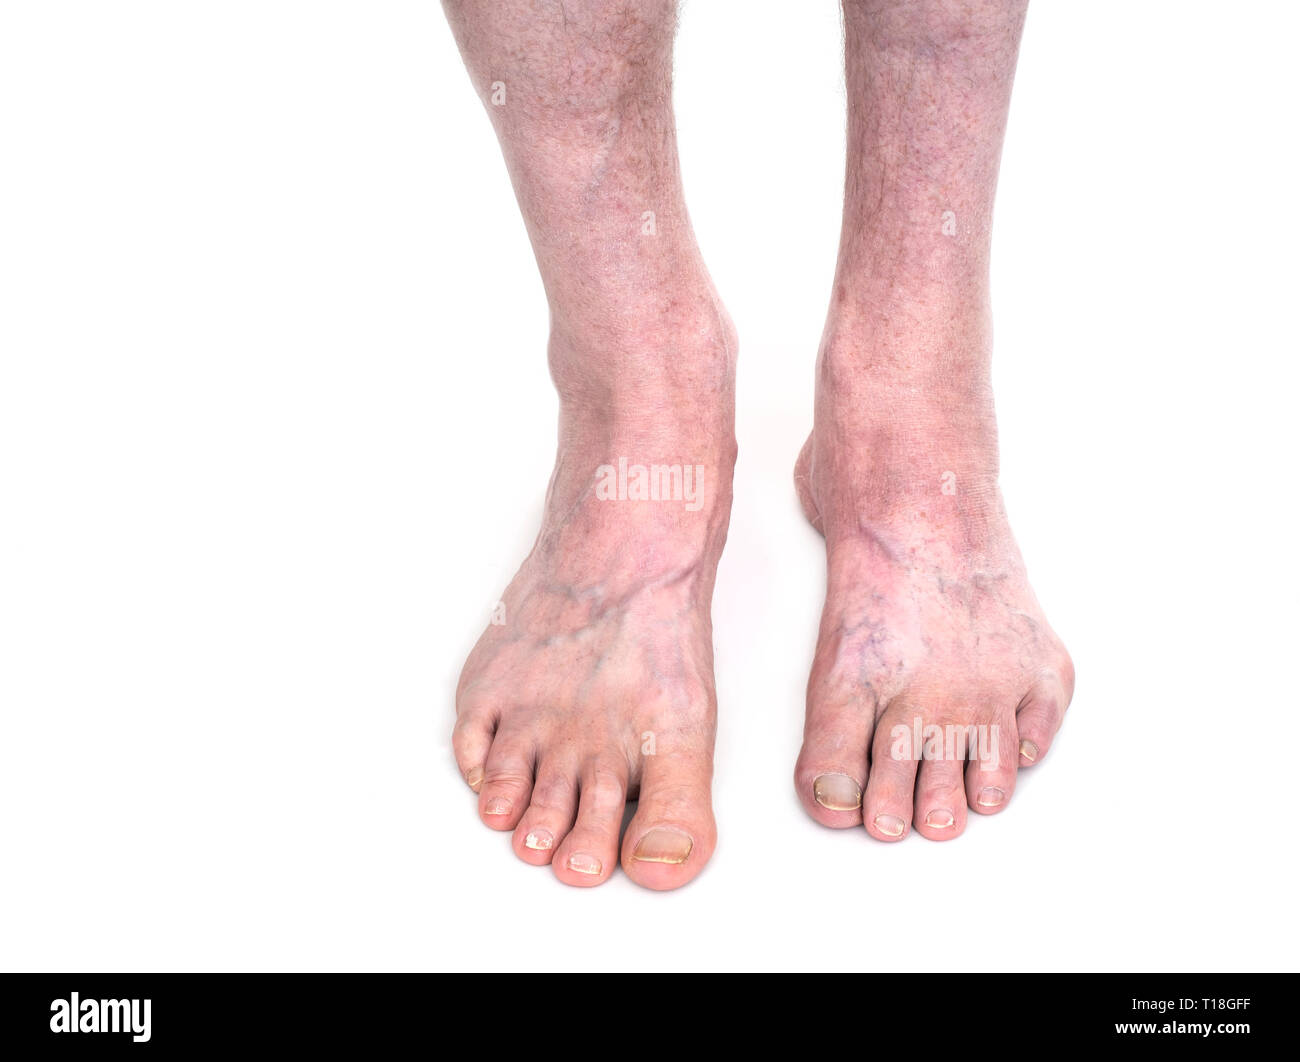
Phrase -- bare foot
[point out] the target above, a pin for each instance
(936, 675)
(595, 686)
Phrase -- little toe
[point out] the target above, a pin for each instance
(1039, 717)
(470, 741)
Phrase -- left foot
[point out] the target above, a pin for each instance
(929, 619)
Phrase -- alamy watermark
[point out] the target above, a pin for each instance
(658, 483)
(77, 1015)
(929, 741)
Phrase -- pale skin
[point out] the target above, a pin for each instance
(598, 686)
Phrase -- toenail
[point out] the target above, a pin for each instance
(475, 778)
(1029, 750)
(584, 864)
(497, 806)
(991, 797)
(539, 840)
(939, 819)
(663, 846)
(890, 825)
(837, 792)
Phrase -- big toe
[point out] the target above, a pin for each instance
(832, 767)
(672, 835)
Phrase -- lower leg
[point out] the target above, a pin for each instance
(907, 343)
(928, 616)
(580, 96)
(598, 686)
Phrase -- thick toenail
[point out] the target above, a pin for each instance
(838, 792)
(939, 819)
(497, 806)
(1029, 750)
(991, 797)
(890, 825)
(539, 840)
(663, 846)
(584, 864)
(475, 778)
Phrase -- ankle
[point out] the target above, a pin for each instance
(935, 338)
(662, 370)
(909, 386)
(903, 441)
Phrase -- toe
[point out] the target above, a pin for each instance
(550, 813)
(940, 799)
(891, 780)
(588, 854)
(1039, 717)
(992, 758)
(470, 740)
(832, 765)
(672, 835)
(507, 781)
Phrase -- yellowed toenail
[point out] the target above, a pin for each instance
(539, 840)
(1029, 750)
(991, 797)
(663, 846)
(475, 778)
(939, 819)
(497, 806)
(584, 864)
(890, 825)
(837, 792)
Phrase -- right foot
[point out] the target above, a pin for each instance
(595, 684)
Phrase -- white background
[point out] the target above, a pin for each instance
(275, 426)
